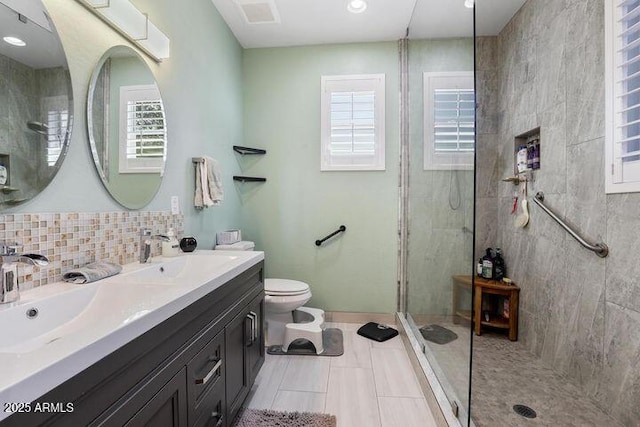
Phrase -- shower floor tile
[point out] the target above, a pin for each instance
(505, 373)
(357, 387)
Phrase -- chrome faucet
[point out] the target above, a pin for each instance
(9, 289)
(145, 243)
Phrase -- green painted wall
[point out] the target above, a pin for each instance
(201, 85)
(132, 189)
(299, 204)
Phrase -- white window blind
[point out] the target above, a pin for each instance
(57, 123)
(142, 130)
(623, 95)
(352, 122)
(453, 120)
(55, 109)
(145, 129)
(353, 118)
(449, 122)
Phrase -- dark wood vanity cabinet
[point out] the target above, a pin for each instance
(167, 408)
(245, 353)
(194, 369)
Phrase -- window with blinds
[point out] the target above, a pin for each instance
(57, 124)
(449, 122)
(145, 129)
(352, 122)
(142, 130)
(622, 34)
(454, 128)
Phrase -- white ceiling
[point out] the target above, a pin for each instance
(43, 49)
(309, 22)
(449, 18)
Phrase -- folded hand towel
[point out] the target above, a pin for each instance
(92, 272)
(208, 184)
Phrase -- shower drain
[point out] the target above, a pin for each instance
(524, 411)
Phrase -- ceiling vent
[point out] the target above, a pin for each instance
(259, 11)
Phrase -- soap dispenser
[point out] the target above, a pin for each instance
(172, 247)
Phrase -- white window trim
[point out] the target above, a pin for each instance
(614, 182)
(146, 165)
(368, 82)
(433, 160)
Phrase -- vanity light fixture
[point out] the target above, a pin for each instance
(469, 3)
(126, 19)
(356, 6)
(15, 41)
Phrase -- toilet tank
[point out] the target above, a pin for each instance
(238, 246)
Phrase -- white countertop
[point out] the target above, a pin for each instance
(121, 308)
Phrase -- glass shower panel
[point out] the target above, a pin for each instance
(441, 195)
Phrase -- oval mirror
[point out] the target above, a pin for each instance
(36, 102)
(127, 127)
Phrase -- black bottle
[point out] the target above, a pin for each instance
(499, 266)
(487, 265)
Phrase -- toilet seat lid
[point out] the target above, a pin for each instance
(285, 287)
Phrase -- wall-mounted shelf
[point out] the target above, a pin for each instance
(6, 189)
(248, 150)
(249, 179)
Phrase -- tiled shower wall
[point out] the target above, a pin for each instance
(440, 201)
(71, 240)
(33, 93)
(578, 312)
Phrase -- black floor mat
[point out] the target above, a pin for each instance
(438, 334)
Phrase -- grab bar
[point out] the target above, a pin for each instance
(342, 229)
(601, 249)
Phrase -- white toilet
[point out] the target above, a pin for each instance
(283, 297)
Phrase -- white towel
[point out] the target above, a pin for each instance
(208, 184)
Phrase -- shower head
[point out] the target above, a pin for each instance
(38, 127)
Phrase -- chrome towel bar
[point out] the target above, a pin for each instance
(601, 249)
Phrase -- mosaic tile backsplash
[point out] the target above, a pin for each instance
(72, 240)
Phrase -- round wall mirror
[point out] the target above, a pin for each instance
(127, 127)
(36, 101)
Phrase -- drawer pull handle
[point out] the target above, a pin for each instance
(210, 374)
(252, 319)
(254, 325)
(218, 415)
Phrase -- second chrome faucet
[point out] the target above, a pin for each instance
(145, 243)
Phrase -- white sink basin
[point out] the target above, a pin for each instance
(77, 325)
(185, 270)
(28, 322)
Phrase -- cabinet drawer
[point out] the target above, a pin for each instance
(211, 412)
(206, 370)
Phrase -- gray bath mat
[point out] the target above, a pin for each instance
(269, 418)
(438, 334)
(331, 339)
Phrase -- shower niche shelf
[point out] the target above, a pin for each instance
(531, 141)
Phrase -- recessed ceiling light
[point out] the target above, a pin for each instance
(356, 6)
(14, 41)
(469, 3)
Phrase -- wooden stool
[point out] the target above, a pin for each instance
(484, 287)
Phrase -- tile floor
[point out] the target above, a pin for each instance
(371, 384)
(505, 373)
